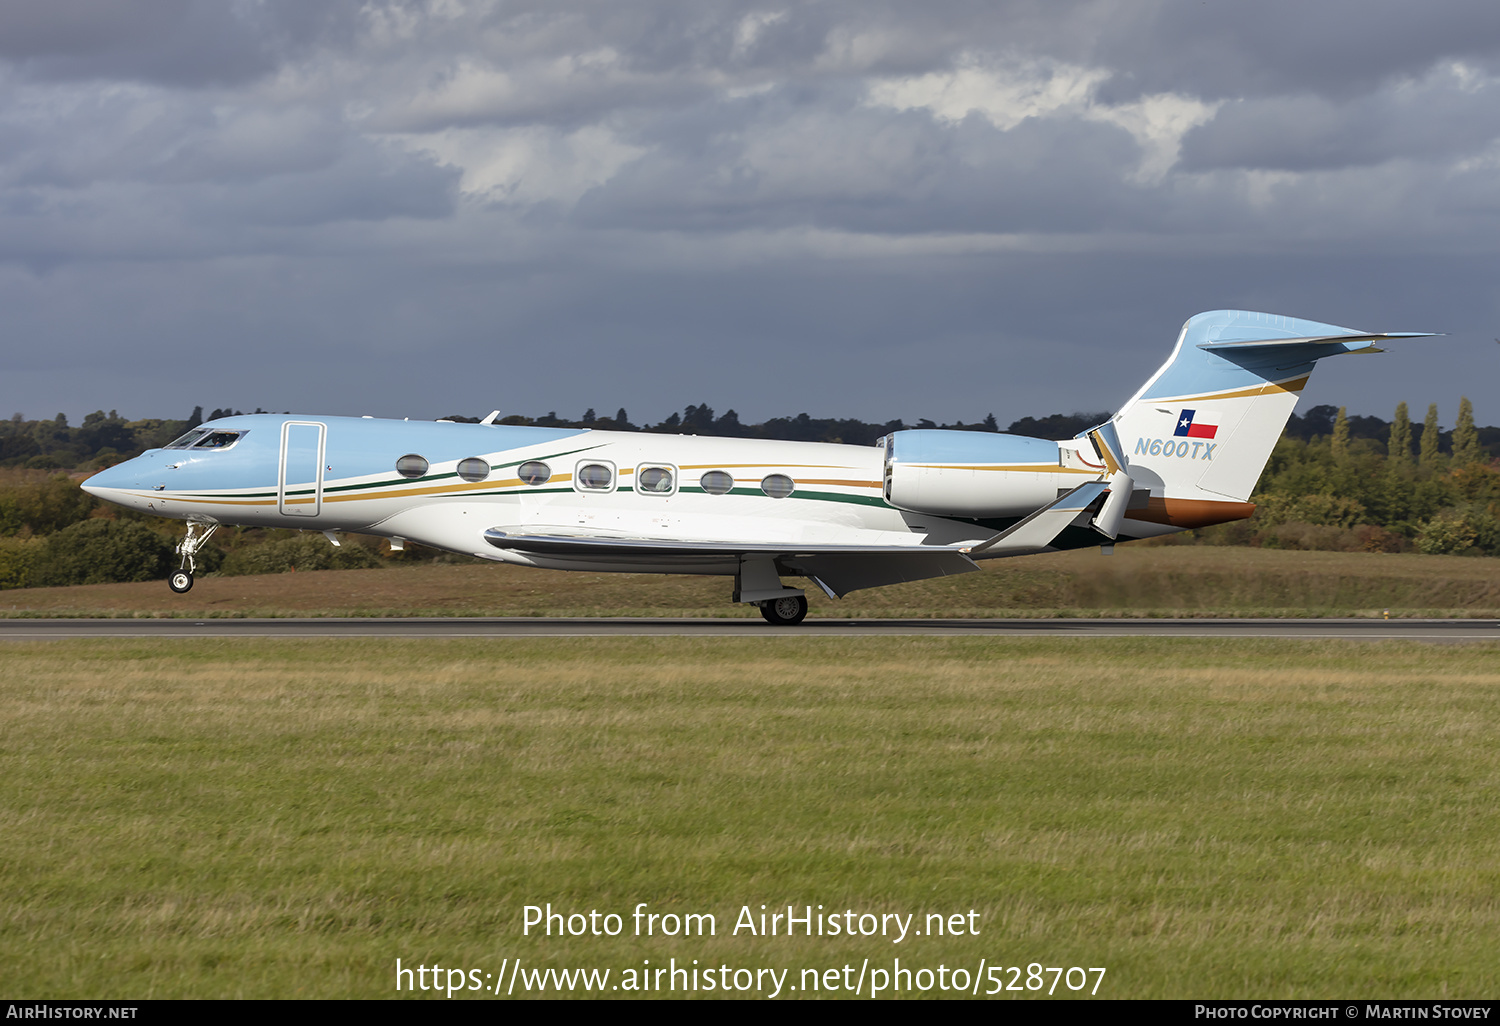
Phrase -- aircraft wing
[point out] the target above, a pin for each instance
(598, 545)
(838, 569)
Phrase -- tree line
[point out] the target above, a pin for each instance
(104, 439)
(1397, 487)
(1334, 481)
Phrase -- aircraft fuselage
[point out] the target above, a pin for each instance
(458, 481)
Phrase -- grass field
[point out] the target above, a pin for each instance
(1138, 581)
(1205, 819)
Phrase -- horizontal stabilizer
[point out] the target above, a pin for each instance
(1316, 340)
(1036, 531)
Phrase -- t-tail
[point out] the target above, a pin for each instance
(1199, 433)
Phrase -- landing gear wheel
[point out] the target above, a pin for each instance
(784, 612)
(198, 532)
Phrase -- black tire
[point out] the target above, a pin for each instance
(180, 581)
(785, 612)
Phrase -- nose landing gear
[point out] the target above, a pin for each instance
(197, 533)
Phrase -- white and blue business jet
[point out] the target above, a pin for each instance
(1185, 451)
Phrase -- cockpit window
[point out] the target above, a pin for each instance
(187, 439)
(206, 438)
(217, 440)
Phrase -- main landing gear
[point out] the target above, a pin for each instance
(758, 583)
(785, 611)
(197, 533)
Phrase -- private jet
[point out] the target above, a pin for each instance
(1184, 452)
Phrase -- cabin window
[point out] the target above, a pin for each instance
(654, 480)
(411, 466)
(716, 482)
(473, 469)
(595, 477)
(534, 472)
(777, 486)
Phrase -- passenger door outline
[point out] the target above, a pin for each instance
(304, 445)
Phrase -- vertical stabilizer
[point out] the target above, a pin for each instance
(1199, 433)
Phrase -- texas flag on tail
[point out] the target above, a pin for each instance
(1188, 427)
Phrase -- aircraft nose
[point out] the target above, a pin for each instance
(107, 480)
(109, 483)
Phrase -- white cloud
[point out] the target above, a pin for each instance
(526, 165)
(478, 91)
(1007, 93)
(857, 50)
(1158, 124)
(1486, 160)
(752, 26)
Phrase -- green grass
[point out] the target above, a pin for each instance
(1206, 819)
(1134, 581)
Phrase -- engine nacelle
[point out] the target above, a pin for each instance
(975, 473)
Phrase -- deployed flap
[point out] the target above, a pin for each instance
(1035, 532)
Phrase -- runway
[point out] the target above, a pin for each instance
(1449, 631)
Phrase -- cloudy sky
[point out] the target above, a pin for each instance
(848, 207)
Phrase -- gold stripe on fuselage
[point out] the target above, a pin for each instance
(435, 490)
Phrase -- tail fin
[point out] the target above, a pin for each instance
(1199, 433)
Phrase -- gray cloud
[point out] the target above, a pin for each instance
(189, 43)
(1433, 120)
(855, 169)
(949, 209)
(1225, 51)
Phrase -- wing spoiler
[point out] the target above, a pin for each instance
(1035, 532)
